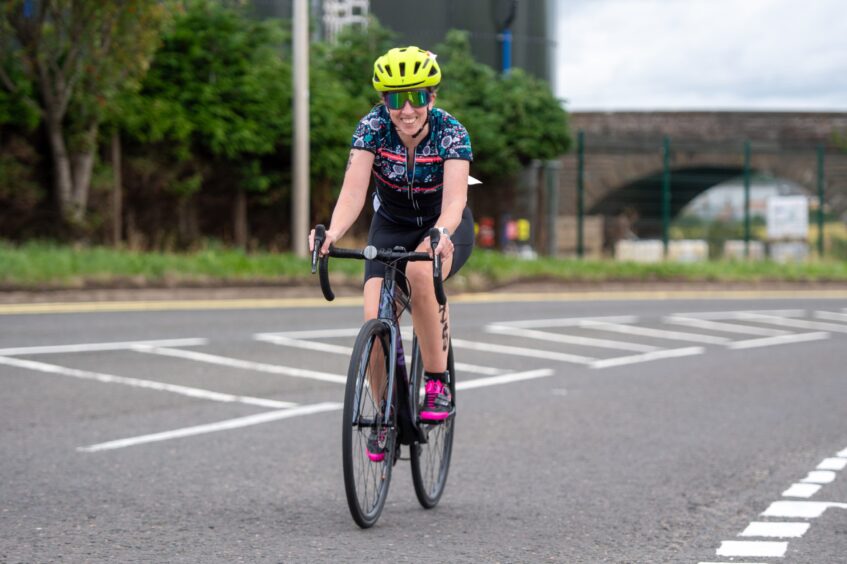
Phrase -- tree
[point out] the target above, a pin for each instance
(216, 100)
(512, 119)
(78, 54)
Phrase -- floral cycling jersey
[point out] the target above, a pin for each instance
(409, 190)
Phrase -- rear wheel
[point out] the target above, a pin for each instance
(431, 460)
(366, 481)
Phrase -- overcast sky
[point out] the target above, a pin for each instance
(702, 54)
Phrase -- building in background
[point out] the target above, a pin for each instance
(425, 24)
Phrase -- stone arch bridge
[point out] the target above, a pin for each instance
(623, 160)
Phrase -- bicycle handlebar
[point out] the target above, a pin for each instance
(372, 253)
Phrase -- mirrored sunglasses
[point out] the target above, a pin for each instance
(396, 100)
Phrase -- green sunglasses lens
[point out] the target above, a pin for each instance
(396, 100)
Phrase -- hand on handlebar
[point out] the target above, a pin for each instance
(328, 239)
(444, 249)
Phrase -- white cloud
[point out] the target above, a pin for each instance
(703, 54)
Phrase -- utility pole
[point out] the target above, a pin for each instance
(300, 187)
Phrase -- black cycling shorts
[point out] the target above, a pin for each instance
(386, 234)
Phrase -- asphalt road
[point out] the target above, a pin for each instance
(673, 430)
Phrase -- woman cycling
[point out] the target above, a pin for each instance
(419, 157)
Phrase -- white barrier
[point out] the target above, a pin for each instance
(652, 250)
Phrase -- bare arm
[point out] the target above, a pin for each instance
(351, 200)
(455, 196)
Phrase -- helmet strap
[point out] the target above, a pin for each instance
(415, 135)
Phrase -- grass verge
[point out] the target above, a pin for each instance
(41, 265)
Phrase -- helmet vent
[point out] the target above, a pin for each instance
(417, 67)
(402, 69)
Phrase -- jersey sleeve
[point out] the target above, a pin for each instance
(369, 131)
(455, 142)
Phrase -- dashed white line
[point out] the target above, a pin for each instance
(800, 509)
(832, 464)
(228, 424)
(819, 477)
(777, 530)
(801, 490)
(753, 548)
(139, 383)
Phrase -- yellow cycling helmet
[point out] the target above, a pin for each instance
(405, 68)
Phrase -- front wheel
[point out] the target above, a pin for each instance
(366, 476)
(431, 460)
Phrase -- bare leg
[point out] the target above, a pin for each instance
(431, 320)
(376, 372)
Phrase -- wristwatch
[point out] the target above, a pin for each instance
(444, 231)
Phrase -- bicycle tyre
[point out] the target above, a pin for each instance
(431, 461)
(365, 482)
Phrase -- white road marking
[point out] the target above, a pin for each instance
(800, 509)
(243, 364)
(520, 351)
(504, 379)
(801, 490)
(832, 464)
(147, 384)
(214, 427)
(781, 340)
(646, 357)
(721, 326)
(842, 454)
(744, 314)
(831, 316)
(753, 548)
(569, 339)
(92, 347)
(567, 321)
(658, 333)
(286, 340)
(777, 530)
(797, 323)
(819, 477)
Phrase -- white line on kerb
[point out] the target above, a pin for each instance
(213, 427)
(139, 383)
(92, 347)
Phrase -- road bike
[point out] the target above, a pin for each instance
(382, 398)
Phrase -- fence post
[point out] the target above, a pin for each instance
(820, 200)
(666, 192)
(552, 174)
(580, 193)
(747, 199)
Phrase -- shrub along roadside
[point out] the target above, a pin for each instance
(40, 265)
